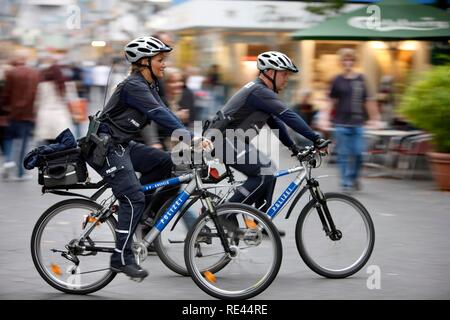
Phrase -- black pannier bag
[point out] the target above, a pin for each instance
(62, 168)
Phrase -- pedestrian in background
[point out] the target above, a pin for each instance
(385, 98)
(18, 97)
(351, 106)
(4, 112)
(87, 79)
(214, 85)
(305, 108)
(53, 115)
(78, 105)
(179, 99)
(100, 74)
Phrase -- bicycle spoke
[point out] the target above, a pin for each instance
(86, 272)
(77, 268)
(249, 268)
(342, 256)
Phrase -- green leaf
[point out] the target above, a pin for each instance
(426, 104)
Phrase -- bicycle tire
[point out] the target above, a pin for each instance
(36, 236)
(253, 290)
(309, 261)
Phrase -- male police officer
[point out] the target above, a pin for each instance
(253, 106)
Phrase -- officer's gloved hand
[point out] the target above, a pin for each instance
(203, 143)
(322, 145)
(295, 149)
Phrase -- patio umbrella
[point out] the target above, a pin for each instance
(391, 21)
(388, 20)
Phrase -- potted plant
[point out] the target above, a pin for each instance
(426, 104)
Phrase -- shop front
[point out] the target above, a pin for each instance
(232, 33)
(380, 61)
(392, 41)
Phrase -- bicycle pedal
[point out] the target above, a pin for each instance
(206, 241)
(137, 279)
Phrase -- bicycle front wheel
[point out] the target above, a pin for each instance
(60, 258)
(255, 256)
(337, 254)
(170, 243)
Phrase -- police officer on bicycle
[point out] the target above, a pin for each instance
(253, 106)
(116, 156)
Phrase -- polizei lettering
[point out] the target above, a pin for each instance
(280, 202)
(161, 184)
(157, 185)
(174, 207)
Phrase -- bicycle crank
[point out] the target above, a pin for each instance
(140, 251)
(137, 279)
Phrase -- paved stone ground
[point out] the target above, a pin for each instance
(412, 221)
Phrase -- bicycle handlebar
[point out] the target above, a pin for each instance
(311, 150)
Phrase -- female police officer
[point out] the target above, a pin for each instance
(134, 104)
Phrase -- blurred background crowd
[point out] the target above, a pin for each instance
(60, 59)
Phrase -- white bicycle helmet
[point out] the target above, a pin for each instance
(144, 47)
(275, 60)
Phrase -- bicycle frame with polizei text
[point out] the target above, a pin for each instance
(184, 195)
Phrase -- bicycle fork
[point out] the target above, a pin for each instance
(213, 214)
(323, 211)
(215, 218)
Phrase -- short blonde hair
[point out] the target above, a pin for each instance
(347, 53)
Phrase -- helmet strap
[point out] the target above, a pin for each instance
(155, 79)
(274, 85)
(152, 74)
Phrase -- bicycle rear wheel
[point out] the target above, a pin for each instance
(255, 257)
(58, 256)
(335, 255)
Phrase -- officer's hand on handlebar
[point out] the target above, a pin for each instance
(204, 143)
(322, 145)
(207, 145)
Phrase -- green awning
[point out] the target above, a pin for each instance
(400, 20)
